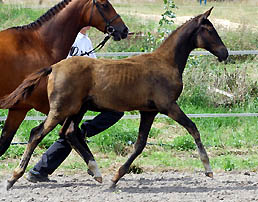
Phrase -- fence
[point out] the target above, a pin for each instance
(38, 118)
(197, 53)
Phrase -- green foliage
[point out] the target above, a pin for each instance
(229, 165)
(16, 16)
(164, 26)
(117, 137)
(14, 151)
(203, 76)
(146, 40)
(168, 15)
(183, 143)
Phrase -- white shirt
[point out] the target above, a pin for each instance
(81, 45)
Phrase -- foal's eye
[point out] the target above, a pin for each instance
(209, 30)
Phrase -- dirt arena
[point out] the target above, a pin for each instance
(151, 187)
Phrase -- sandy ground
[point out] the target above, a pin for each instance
(151, 187)
(218, 23)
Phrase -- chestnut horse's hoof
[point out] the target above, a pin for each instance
(98, 179)
(209, 174)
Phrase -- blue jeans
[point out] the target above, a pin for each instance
(204, 2)
(60, 150)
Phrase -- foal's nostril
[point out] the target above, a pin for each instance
(222, 54)
(225, 53)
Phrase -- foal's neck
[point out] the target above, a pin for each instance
(177, 47)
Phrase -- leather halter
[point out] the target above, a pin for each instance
(109, 28)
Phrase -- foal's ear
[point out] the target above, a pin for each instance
(204, 16)
(207, 13)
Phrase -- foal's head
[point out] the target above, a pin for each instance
(105, 18)
(207, 37)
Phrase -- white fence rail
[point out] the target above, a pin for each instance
(198, 53)
(215, 115)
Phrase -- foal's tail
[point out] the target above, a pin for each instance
(24, 89)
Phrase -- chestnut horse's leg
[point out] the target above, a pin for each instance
(77, 142)
(12, 123)
(145, 125)
(179, 116)
(36, 135)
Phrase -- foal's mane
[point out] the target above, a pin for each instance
(188, 21)
(47, 16)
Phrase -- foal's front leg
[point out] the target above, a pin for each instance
(145, 125)
(73, 136)
(179, 116)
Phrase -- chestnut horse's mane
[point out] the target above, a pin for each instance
(47, 16)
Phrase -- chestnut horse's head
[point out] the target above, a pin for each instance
(207, 37)
(104, 17)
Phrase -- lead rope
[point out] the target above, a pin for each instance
(98, 47)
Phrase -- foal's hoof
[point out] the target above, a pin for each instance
(209, 174)
(90, 172)
(98, 179)
(9, 184)
(113, 185)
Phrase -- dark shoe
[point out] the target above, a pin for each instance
(35, 176)
(84, 130)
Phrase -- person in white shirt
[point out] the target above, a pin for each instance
(82, 44)
(60, 149)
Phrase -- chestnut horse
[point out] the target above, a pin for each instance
(150, 83)
(45, 42)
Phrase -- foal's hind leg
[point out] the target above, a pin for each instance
(145, 125)
(179, 116)
(75, 139)
(37, 134)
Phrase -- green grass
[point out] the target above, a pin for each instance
(15, 16)
(232, 143)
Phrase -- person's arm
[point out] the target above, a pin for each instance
(89, 47)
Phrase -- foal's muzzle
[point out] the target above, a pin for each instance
(222, 54)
